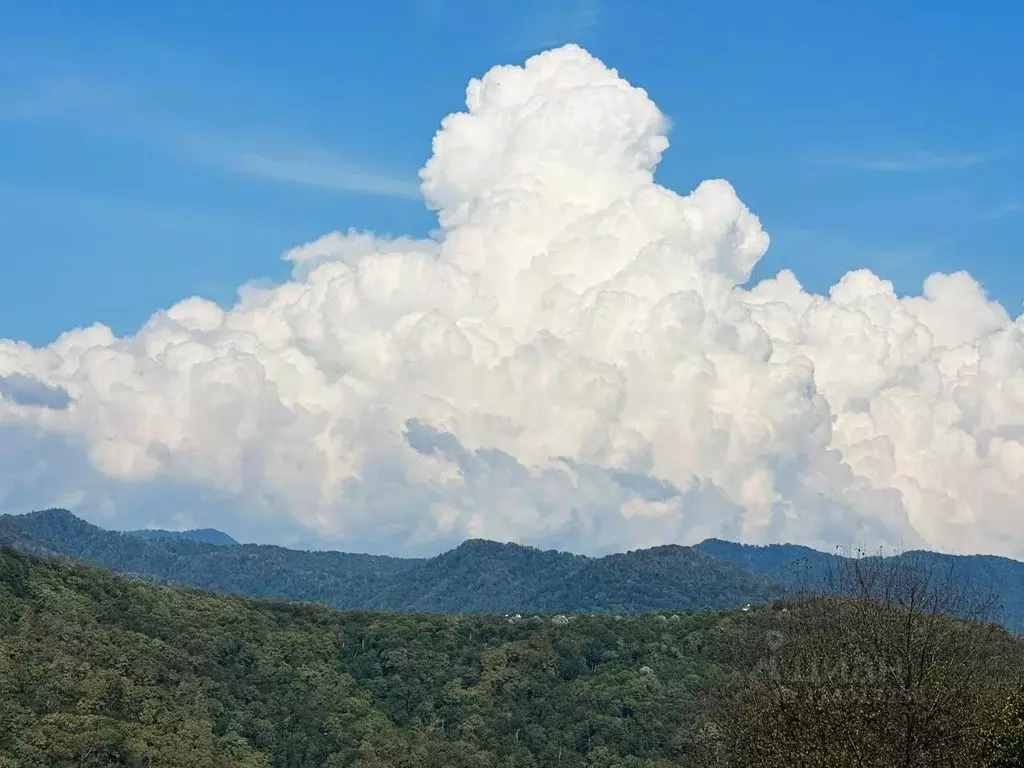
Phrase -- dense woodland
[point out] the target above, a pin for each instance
(96, 670)
(478, 576)
(205, 535)
(102, 670)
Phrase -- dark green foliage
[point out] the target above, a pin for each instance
(97, 669)
(13, 534)
(205, 535)
(102, 670)
(478, 576)
(482, 576)
(788, 562)
(341, 579)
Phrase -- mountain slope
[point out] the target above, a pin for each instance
(204, 535)
(337, 578)
(482, 576)
(788, 562)
(805, 567)
(648, 577)
(102, 670)
(13, 534)
(478, 576)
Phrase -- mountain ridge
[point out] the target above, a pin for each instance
(206, 535)
(104, 670)
(478, 576)
(801, 566)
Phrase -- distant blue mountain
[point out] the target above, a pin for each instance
(205, 535)
(808, 568)
(786, 562)
(476, 577)
(482, 576)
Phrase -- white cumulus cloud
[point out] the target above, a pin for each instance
(571, 361)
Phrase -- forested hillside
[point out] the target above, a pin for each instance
(481, 576)
(478, 576)
(102, 670)
(205, 535)
(96, 669)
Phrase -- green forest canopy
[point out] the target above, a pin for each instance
(101, 670)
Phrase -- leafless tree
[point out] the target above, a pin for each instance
(892, 662)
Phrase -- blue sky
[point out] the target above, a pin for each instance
(151, 151)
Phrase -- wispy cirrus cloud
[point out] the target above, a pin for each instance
(102, 108)
(327, 173)
(915, 161)
(274, 159)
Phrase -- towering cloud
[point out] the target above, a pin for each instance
(570, 362)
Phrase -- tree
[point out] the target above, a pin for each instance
(893, 662)
(1005, 736)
